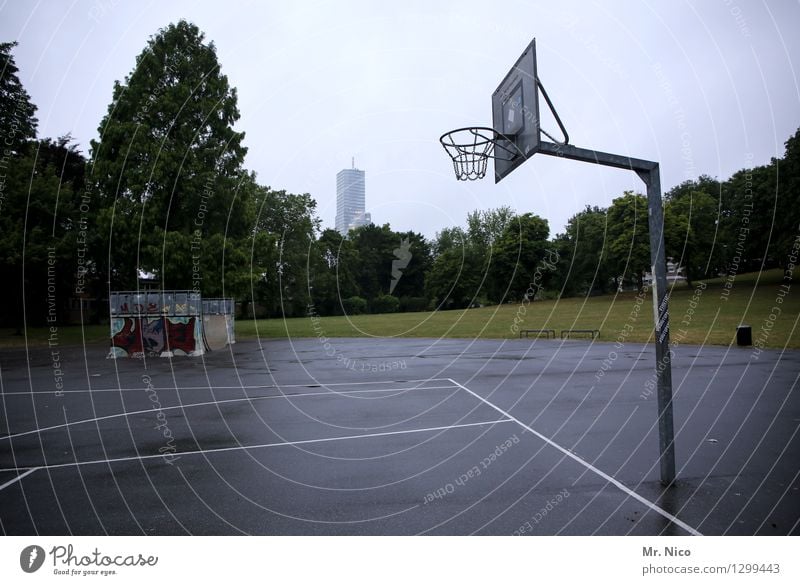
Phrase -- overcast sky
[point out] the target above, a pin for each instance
(704, 88)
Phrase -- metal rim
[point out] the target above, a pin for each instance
(482, 144)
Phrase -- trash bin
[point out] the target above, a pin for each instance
(744, 335)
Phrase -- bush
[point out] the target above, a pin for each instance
(413, 304)
(354, 306)
(548, 295)
(385, 304)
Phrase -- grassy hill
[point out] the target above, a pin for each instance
(697, 316)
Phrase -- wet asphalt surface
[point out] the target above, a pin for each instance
(396, 436)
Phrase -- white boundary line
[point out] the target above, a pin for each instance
(654, 507)
(228, 401)
(19, 477)
(262, 446)
(238, 387)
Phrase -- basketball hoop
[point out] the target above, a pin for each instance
(515, 136)
(472, 147)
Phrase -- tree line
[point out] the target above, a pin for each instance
(164, 194)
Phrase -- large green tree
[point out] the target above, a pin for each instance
(456, 278)
(447, 238)
(412, 259)
(787, 216)
(691, 227)
(485, 227)
(463, 257)
(288, 225)
(518, 263)
(39, 181)
(37, 238)
(628, 238)
(374, 247)
(332, 267)
(167, 169)
(583, 254)
(17, 113)
(760, 211)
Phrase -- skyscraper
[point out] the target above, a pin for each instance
(350, 200)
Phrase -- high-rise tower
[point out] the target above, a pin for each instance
(350, 200)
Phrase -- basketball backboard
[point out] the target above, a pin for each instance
(515, 113)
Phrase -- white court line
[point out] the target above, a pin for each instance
(261, 446)
(19, 477)
(654, 507)
(215, 402)
(238, 387)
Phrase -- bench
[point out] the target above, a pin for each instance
(567, 332)
(546, 332)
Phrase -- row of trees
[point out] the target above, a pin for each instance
(746, 223)
(164, 192)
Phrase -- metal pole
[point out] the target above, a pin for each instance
(648, 171)
(655, 213)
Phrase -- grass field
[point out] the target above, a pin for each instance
(697, 315)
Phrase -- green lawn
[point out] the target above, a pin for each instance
(65, 335)
(618, 317)
(625, 316)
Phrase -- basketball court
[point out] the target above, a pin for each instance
(405, 436)
(400, 437)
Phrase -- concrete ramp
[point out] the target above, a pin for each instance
(215, 331)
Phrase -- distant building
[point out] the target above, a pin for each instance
(351, 200)
(675, 273)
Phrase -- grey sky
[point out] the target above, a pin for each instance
(705, 87)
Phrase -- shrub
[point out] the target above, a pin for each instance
(413, 304)
(354, 306)
(385, 304)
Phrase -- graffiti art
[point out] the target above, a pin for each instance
(151, 336)
(182, 335)
(159, 323)
(126, 340)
